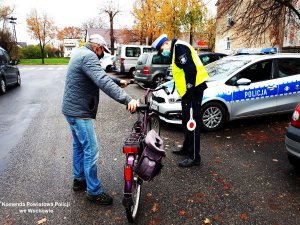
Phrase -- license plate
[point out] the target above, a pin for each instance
(138, 71)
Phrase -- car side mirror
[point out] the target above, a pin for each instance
(139, 63)
(243, 81)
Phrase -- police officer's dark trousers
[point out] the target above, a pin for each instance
(192, 138)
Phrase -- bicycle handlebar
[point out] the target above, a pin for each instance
(132, 81)
(142, 107)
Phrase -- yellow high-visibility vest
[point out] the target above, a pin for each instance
(179, 75)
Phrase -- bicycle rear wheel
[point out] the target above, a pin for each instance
(154, 123)
(131, 212)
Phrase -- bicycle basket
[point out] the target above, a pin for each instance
(150, 163)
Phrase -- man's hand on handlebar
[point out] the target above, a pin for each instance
(131, 107)
(123, 83)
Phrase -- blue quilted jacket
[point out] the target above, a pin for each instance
(84, 79)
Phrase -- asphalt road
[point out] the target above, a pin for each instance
(245, 177)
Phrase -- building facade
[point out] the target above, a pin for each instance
(228, 40)
(69, 45)
(291, 41)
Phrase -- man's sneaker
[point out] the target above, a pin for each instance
(102, 199)
(79, 185)
(189, 163)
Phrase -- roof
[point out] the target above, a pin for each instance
(262, 57)
(212, 53)
(105, 33)
(22, 44)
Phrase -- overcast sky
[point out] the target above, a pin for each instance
(70, 13)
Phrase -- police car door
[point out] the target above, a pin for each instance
(259, 96)
(288, 78)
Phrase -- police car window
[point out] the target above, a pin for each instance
(257, 72)
(133, 51)
(288, 67)
(224, 67)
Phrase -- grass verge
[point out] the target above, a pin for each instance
(48, 61)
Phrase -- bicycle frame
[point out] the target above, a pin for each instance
(133, 149)
(132, 153)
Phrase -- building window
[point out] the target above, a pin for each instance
(228, 47)
(230, 21)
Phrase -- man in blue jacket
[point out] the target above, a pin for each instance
(80, 104)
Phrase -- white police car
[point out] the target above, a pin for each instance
(239, 86)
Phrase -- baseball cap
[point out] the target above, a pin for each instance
(159, 41)
(98, 39)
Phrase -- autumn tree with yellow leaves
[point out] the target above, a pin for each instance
(41, 28)
(69, 32)
(173, 17)
(147, 24)
(194, 19)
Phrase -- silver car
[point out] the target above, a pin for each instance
(151, 68)
(239, 87)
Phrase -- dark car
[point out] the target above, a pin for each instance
(209, 57)
(292, 139)
(9, 72)
(151, 68)
(205, 57)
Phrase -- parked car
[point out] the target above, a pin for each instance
(239, 87)
(127, 56)
(151, 68)
(107, 62)
(9, 72)
(205, 57)
(209, 57)
(292, 139)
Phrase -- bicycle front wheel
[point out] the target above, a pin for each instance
(131, 212)
(154, 123)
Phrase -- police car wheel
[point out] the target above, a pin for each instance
(213, 116)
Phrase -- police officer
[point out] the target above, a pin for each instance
(189, 75)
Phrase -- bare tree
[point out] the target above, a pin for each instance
(258, 18)
(7, 39)
(41, 28)
(111, 10)
(93, 23)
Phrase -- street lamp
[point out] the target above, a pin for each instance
(12, 20)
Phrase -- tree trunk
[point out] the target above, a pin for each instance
(43, 55)
(42, 51)
(191, 36)
(112, 39)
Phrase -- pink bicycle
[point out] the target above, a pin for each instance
(134, 147)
